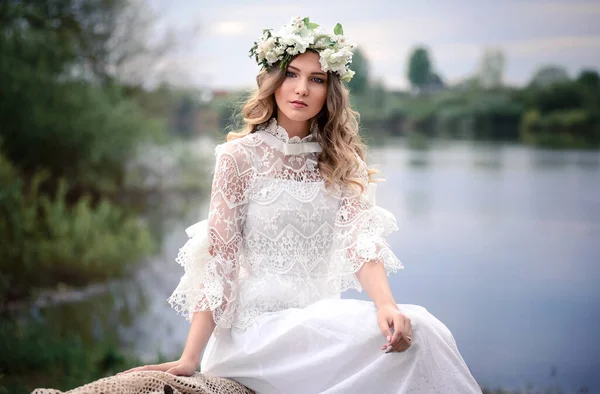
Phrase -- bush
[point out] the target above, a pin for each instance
(32, 355)
(46, 241)
(568, 128)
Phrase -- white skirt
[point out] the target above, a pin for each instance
(334, 346)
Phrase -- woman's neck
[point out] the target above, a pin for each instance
(294, 128)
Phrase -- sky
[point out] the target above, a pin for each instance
(531, 33)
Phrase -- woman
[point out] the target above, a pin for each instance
(292, 223)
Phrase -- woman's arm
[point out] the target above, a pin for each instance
(373, 279)
(207, 306)
(200, 331)
(201, 328)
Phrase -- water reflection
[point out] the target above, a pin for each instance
(505, 253)
(102, 313)
(488, 156)
(418, 145)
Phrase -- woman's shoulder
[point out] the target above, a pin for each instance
(239, 148)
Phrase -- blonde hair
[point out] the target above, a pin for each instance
(340, 161)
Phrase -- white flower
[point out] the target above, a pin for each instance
(347, 76)
(335, 60)
(274, 55)
(268, 44)
(264, 47)
(296, 44)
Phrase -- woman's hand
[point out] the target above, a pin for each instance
(390, 318)
(179, 368)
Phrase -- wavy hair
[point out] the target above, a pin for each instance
(340, 161)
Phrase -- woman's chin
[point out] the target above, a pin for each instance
(298, 116)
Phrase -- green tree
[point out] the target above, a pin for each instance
(589, 83)
(435, 82)
(589, 78)
(549, 75)
(360, 82)
(56, 117)
(419, 68)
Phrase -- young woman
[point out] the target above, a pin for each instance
(292, 223)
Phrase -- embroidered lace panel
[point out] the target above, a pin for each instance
(276, 237)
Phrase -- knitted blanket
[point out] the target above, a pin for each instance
(156, 382)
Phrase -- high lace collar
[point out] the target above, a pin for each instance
(273, 128)
(277, 137)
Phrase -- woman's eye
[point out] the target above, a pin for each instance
(289, 74)
(318, 80)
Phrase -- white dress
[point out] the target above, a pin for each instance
(270, 262)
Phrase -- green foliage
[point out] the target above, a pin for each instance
(49, 241)
(33, 355)
(419, 67)
(72, 129)
(556, 97)
(488, 115)
(61, 112)
(360, 82)
(564, 113)
(310, 25)
(568, 128)
(589, 79)
(184, 116)
(549, 75)
(338, 29)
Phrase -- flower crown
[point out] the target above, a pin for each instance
(335, 53)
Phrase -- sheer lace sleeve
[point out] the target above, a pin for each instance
(210, 257)
(359, 236)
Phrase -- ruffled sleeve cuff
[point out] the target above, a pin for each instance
(203, 285)
(360, 237)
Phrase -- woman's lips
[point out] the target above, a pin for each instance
(297, 104)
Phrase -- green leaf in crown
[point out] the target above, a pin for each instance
(338, 30)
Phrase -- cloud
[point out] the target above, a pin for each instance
(228, 28)
(520, 48)
(534, 47)
(562, 9)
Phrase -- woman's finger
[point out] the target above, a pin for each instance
(153, 367)
(173, 371)
(398, 331)
(129, 371)
(408, 331)
(165, 366)
(402, 346)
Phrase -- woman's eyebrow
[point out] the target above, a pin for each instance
(313, 73)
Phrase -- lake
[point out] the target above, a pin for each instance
(501, 242)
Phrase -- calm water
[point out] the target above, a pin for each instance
(500, 242)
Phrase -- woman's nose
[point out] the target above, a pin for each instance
(301, 87)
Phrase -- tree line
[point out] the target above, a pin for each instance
(553, 109)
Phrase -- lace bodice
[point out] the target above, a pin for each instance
(275, 236)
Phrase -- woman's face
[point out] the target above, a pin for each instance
(304, 89)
